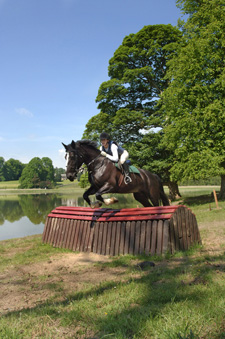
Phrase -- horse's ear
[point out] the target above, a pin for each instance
(73, 144)
(65, 146)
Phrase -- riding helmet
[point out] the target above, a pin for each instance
(104, 135)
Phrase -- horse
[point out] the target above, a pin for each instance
(105, 177)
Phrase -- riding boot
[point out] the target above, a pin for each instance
(127, 178)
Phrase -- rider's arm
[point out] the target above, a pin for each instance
(114, 157)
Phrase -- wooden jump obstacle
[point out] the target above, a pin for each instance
(149, 230)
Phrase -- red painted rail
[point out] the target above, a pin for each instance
(126, 214)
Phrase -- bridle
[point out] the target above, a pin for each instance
(76, 155)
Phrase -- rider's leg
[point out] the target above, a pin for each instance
(123, 158)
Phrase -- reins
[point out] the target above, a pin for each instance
(93, 160)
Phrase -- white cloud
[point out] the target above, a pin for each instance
(24, 112)
(61, 161)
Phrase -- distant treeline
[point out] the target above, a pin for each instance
(38, 173)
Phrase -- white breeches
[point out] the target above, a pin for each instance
(123, 158)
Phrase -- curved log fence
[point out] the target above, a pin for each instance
(149, 230)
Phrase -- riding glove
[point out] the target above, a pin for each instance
(103, 153)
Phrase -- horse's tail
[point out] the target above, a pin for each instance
(163, 196)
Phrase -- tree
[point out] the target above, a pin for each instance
(194, 102)
(49, 169)
(58, 172)
(2, 161)
(128, 101)
(37, 173)
(12, 169)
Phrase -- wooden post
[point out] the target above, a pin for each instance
(215, 197)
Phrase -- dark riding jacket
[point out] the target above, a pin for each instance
(109, 151)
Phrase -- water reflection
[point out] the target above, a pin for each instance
(26, 214)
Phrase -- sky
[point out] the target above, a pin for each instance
(54, 55)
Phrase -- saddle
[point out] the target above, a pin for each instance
(132, 169)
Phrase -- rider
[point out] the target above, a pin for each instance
(115, 153)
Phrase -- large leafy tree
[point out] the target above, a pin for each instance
(12, 169)
(37, 173)
(137, 70)
(128, 101)
(194, 102)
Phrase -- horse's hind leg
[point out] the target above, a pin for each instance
(141, 197)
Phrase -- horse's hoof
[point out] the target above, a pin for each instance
(96, 204)
(110, 201)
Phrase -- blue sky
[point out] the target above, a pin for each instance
(54, 56)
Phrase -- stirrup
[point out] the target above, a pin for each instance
(127, 179)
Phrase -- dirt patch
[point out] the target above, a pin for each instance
(31, 285)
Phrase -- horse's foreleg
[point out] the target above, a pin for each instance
(90, 191)
(106, 189)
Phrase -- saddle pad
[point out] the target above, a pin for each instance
(132, 169)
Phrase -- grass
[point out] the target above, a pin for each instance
(64, 187)
(182, 297)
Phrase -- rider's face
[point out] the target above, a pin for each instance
(105, 143)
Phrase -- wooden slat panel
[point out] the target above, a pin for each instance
(172, 239)
(66, 226)
(100, 235)
(104, 238)
(95, 240)
(137, 237)
(165, 245)
(187, 222)
(176, 233)
(48, 225)
(159, 237)
(132, 237)
(122, 237)
(117, 243)
(148, 237)
(154, 237)
(184, 228)
(142, 237)
(46, 229)
(73, 228)
(108, 241)
(113, 237)
(127, 238)
(57, 232)
(91, 236)
(83, 237)
(78, 226)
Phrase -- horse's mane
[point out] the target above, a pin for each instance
(90, 143)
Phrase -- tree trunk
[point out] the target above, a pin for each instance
(222, 188)
(174, 192)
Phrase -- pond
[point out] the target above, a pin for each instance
(24, 215)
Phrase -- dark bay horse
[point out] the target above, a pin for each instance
(105, 177)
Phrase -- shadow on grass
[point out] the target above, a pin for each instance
(198, 200)
(152, 298)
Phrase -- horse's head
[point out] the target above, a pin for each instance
(74, 162)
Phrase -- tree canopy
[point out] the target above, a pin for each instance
(193, 103)
(38, 173)
(137, 70)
